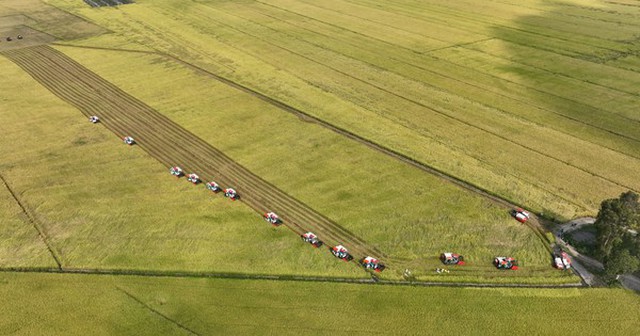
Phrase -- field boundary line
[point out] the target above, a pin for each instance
(155, 311)
(34, 222)
(276, 277)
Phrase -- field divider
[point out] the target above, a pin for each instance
(31, 218)
(275, 277)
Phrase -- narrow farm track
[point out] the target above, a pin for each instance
(275, 277)
(173, 145)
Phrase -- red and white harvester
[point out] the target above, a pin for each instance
(272, 218)
(214, 187)
(341, 252)
(520, 215)
(176, 171)
(129, 140)
(562, 261)
(449, 258)
(312, 239)
(231, 193)
(372, 264)
(193, 178)
(506, 263)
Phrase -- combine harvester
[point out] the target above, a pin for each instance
(129, 140)
(341, 252)
(505, 263)
(214, 187)
(193, 178)
(312, 239)
(372, 264)
(94, 119)
(272, 218)
(449, 258)
(176, 171)
(562, 261)
(231, 193)
(520, 215)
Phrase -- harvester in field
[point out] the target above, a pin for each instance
(129, 140)
(449, 258)
(193, 178)
(372, 264)
(506, 263)
(94, 119)
(312, 239)
(562, 261)
(341, 252)
(231, 193)
(214, 187)
(176, 171)
(272, 218)
(520, 215)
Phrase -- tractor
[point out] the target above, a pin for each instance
(272, 218)
(520, 215)
(214, 187)
(341, 252)
(449, 258)
(94, 119)
(373, 264)
(176, 171)
(231, 193)
(506, 263)
(193, 178)
(312, 239)
(129, 140)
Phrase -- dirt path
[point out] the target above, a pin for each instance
(173, 145)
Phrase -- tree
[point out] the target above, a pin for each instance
(615, 218)
(621, 262)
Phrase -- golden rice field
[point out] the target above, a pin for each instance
(533, 101)
(517, 97)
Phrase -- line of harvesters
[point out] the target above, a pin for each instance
(561, 259)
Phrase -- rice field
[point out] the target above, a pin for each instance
(534, 101)
(407, 214)
(105, 205)
(516, 97)
(103, 305)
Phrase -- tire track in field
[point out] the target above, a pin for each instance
(174, 145)
(34, 221)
